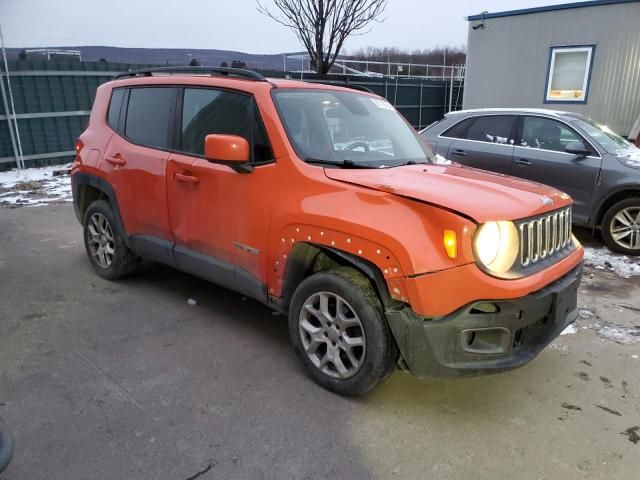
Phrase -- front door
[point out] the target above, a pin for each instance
(219, 217)
(540, 156)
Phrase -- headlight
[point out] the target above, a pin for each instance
(496, 246)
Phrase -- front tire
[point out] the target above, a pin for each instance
(339, 332)
(107, 252)
(621, 226)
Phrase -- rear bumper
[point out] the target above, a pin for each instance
(486, 336)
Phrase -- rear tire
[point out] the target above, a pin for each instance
(107, 252)
(339, 332)
(621, 226)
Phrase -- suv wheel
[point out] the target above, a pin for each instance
(339, 332)
(108, 254)
(621, 227)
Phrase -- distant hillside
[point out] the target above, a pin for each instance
(172, 56)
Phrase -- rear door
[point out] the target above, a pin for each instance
(135, 161)
(484, 142)
(540, 156)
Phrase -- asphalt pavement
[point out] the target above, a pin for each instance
(132, 380)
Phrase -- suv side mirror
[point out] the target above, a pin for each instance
(231, 150)
(577, 148)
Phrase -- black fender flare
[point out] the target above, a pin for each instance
(302, 259)
(79, 179)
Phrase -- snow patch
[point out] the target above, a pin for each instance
(605, 259)
(440, 160)
(34, 186)
(564, 349)
(570, 330)
(616, 333)
(585, 313)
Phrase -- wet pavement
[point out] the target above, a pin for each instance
(132, 380)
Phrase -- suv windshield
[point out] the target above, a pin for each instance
(610, 141)
(348, 129)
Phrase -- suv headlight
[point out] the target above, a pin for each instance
(496, 245)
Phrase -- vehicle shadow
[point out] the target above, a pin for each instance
(588, 237)
(224, 305)
(247, 317)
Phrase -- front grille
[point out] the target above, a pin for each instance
(544, 236)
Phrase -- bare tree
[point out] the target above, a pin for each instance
(323, 25)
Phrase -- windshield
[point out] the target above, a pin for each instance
(348, 129)
(610, 141)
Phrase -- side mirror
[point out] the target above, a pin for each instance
(577, 148)
(231, 150)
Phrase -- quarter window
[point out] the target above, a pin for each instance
(459, 130)
(115, 105)
(209, 111)
(547, 134)
(568, 75)
(489, 129)
(149, 116)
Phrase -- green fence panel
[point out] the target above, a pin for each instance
(43, 88)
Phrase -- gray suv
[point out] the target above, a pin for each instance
(598, 168)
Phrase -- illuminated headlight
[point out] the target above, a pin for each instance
(496, 246)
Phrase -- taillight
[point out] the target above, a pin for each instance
(79, 146)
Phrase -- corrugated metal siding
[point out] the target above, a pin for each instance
(507, 61)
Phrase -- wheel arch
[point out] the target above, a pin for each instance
(630, 191)
(87, 188)
(306, 259)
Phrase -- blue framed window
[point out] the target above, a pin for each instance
(569, 74)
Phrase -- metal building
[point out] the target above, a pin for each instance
(582, 57)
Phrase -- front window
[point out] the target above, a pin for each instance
(568, 75)
(348, 129)
(609, 140)
(210, 111)
(547, 134)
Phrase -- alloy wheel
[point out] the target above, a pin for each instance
(625, 228)
(332, 335)
(101, 244)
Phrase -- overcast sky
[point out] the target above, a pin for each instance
(225, 24)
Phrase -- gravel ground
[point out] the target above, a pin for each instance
(166, 376)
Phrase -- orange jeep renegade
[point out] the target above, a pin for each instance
(323, 203)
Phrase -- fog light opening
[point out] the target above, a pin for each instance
(484, 308)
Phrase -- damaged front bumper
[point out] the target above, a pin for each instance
(486, 336)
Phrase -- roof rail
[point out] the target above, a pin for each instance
(352, 86)
(224, 71)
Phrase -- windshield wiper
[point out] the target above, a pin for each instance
(410, 162)
(337, 163)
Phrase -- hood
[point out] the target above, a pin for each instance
(630, 157)
(478, 194)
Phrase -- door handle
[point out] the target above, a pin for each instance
(523, 161)
(180, 177)
(115, 160)
(459, 152)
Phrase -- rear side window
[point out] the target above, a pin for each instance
(209, 111)
(149, 116)
(115, 105)
(490, 129)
